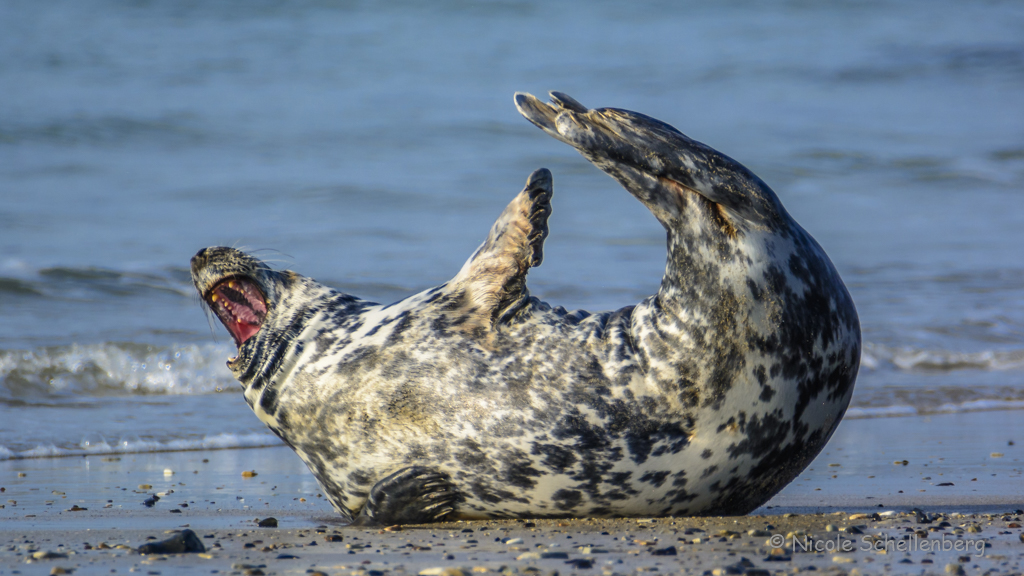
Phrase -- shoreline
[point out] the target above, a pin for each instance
(64, 504)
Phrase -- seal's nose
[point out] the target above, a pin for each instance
(199, 260)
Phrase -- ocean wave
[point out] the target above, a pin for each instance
(114, 368)
(86, 448)
(875, 356)
(947, 408)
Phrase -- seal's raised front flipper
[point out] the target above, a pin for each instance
(494, 277)
(413, 495)
(654, 161)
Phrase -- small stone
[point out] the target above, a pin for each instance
(529, 556)
(47, 555)
(512, 541)
(831, 528)
(997, 454)
(145, 486)
(267, 523)
(843, 560)
(670, 551)
(76, 508)
(183, 542)
(58, 570)
(955, 569)
(168, 472)
(248, 474)
(859, 517)
(758, 533)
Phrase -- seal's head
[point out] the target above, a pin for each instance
(239, 289)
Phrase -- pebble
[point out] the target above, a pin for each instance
(183, 542)
(443, 571)
(831, 528)
(592, 550)
(168, 472)
(249, 474)
(145, 486)
(47, 555)
(955, 569)
(997, 454)
(512, 541)
(843, 560)
(758, 533)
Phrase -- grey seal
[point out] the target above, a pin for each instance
(475, 399)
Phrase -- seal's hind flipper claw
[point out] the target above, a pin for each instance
(412, 495)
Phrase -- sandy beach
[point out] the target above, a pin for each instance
(850, 512)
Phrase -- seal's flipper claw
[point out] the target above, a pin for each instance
(413, 495)
(493, 280)
(655, 162)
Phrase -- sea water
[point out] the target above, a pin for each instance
(372, 145)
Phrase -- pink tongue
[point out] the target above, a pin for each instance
(243, 331)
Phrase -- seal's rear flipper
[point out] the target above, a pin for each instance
(653, 160)
(494, 277)
(413, 495)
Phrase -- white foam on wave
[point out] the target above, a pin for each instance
(91, 369)
(874, 356)
(215, 442)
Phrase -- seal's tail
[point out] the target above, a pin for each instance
(655, 162)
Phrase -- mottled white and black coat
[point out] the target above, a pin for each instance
(476, 400)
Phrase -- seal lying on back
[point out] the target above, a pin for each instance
(476, 400)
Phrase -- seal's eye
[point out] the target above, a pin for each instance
(240, 305)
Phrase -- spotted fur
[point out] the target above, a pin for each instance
(705, 398)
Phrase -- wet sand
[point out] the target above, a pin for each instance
(962, 471)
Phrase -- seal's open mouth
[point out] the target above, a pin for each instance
(240, 306)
